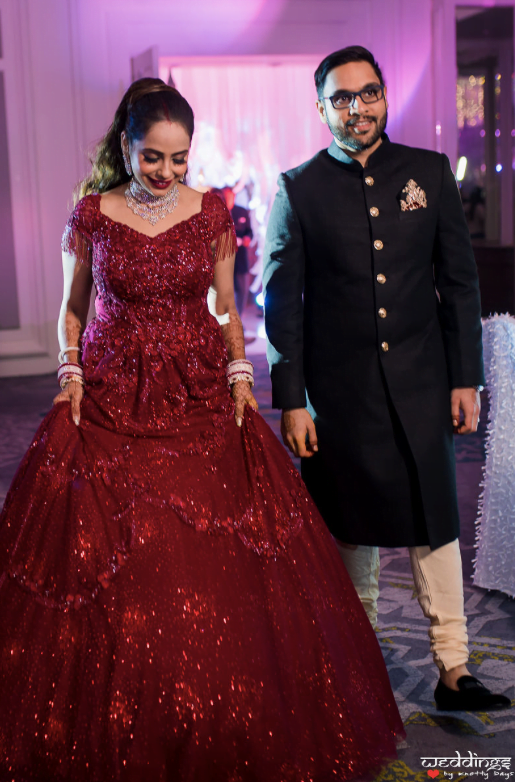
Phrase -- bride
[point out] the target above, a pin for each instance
(172, 606)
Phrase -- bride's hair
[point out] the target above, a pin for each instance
(146, 102)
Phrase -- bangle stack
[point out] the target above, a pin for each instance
(68, 371)
(241, 369)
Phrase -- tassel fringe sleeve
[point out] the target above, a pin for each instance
(225, 245)
(222, 235)
(77, 236)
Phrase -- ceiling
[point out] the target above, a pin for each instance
(489, 23)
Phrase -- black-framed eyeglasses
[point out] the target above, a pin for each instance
(344, 100)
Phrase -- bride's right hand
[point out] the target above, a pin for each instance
(72, 393)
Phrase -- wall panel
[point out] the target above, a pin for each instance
(9, 311)
(42, 142)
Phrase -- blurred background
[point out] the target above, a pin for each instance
(247, 69)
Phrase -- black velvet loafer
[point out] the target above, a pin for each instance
(471, 696)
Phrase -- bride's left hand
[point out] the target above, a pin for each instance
(242, 395)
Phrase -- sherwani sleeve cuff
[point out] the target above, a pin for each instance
(288, 391)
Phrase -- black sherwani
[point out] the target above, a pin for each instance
(375, 313)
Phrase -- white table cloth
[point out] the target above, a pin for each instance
(495, 526)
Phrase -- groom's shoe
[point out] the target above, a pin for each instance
(470, 696)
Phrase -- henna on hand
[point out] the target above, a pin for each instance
(73, 393)
(242, 395)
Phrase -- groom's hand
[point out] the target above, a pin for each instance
(468, 401)
(298, 431)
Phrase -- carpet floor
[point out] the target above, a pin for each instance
(474, 741)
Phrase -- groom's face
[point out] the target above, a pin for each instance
(360, 126)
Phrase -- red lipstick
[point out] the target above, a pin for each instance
(160, 184)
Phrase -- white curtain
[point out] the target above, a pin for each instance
(252, 121)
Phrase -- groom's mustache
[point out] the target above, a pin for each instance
(354, 120)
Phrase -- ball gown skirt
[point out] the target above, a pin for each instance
(172, 607)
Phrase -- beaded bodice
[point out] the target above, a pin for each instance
(153, 276)
(153, 347)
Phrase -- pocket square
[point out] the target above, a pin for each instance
(412, 197)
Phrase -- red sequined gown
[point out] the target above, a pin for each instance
(172, 608)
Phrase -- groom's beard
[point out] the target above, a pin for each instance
(348, 138)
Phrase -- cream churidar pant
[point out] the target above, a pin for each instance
(439, 585)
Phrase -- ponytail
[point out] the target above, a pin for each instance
(146, 102)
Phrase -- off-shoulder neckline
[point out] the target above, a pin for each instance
(189, 219)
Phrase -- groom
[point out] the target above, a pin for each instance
(373, 319)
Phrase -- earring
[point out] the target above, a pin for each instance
(127, 162)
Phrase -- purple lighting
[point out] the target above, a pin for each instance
(498, 167)
(497, 132)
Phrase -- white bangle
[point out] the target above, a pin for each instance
(240, 362)
(61, 359)
(234, 378)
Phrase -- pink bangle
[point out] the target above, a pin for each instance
(240, 365)
(68, 364)
(240, 361)
(239, 372)
(240, 369)
(69, 370)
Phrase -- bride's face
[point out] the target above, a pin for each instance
(160, 158)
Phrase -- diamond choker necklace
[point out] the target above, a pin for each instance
(148, 206)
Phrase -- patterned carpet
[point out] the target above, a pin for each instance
(402, 628)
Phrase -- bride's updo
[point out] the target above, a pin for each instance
(146, 102)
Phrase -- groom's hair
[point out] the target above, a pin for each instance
(342, 57)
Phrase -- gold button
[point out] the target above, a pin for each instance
(385, 347)
(374, 211)
(382, 312)
(369, 181)
(378, 244)
(381, 278)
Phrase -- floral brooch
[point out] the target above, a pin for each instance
(412, 197)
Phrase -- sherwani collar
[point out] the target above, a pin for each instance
(380, 154)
